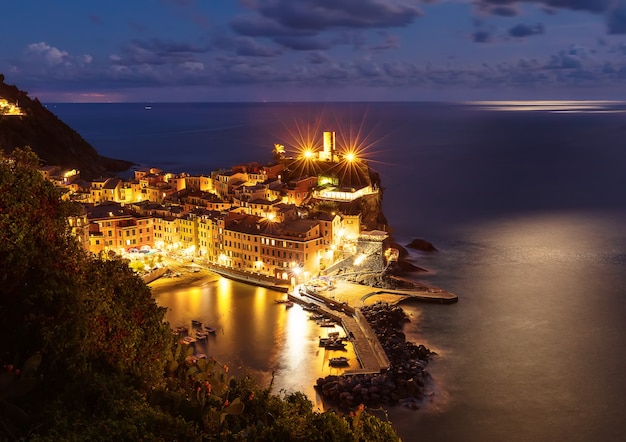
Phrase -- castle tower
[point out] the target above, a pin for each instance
(328, 154)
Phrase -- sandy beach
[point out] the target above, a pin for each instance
(189, 275)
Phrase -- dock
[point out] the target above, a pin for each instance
(341, 301)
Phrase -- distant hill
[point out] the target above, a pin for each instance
(50, 138)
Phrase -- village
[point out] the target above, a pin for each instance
(280, 223)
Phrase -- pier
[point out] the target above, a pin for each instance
(341, 301)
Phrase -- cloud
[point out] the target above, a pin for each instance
(249, 47)
(481, 36)
(303, 43)
(613, 10)
(157, 52)
(571, 58)
(317, 57)
(50, 54)
(256, 26)
(391, 41)
(523, 30)
(596, 6)
(279, 17)
(617, 19)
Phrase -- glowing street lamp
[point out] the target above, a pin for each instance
(350, 157)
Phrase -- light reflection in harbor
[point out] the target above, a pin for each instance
(255, 335)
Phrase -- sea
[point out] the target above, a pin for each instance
(526, 204)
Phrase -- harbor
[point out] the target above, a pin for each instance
(341, 301)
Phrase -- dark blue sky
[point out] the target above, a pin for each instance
(315, 50)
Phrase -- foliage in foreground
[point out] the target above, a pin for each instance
(86, 355)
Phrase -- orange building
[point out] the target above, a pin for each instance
(113, 228)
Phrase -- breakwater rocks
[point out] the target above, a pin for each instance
(404, 381)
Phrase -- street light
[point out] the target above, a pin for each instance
(350, 157)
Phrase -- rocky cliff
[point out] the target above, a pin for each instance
(51, 139)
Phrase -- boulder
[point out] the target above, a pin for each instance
(422, 245)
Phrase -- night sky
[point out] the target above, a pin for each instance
(314, 50)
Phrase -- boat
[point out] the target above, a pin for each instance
(288, 304)
(339, 361)
(326, 322)
(282, 301)
(187, 340)
(333, 344)
(310, 308)
(196, 322)
(200, 335)
(316, 317)
(332, 339)
(148, 107)
(210, 330)
(181, 330)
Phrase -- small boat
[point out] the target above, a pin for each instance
(181, 330)
(210, 330)
(310, 308)
(148, 107)
(200, 335)
(196, 322)
(316, 317)
(334, 344)
(282, 301)
(188, 340)
(288, 304)
(333, 338)
(326, 322)
(337, 362)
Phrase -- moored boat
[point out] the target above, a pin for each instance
(180, 330)
(334, 344)
(210, 330)
(310, 308)
(326, 322)
(339, 361)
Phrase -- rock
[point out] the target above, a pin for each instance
(405, 377)
(422, 245)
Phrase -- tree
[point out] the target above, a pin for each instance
(40, 263)
(87, 318)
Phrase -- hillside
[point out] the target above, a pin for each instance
(50, 138)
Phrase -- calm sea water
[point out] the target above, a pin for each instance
(527, 209)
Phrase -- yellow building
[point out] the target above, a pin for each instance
(280, 250)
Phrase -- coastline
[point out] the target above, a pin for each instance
(373, 321)
(187, 278)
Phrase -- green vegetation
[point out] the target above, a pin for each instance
(86, 355)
